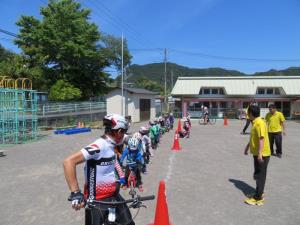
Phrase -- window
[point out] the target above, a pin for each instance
(206, 91)
(269, 91)
(261, 91)
(211, 91)
(214, 105)
(223, 105)
(263, 104)
(214, 91)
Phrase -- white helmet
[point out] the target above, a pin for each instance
(144, 130)
(133, 143)
(137, 135)
(115, 122)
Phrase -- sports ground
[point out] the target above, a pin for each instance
(206, 181)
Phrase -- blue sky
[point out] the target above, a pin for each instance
(255, 29)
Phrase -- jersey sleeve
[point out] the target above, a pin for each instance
(93, 151)
(119, 169)
(124, 154)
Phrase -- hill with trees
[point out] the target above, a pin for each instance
(151, 76)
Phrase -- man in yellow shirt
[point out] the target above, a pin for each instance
(260, 149)
(275, 121)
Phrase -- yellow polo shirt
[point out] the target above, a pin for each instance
(274, 121)
(258, 130)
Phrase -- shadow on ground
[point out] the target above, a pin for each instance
(242, 186)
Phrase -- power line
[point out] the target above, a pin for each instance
(205, 55)
(129, 27)
(9, 33)
(113, 22)
(118, 23)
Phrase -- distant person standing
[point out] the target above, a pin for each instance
(247, 120)
(260, 148)
(275, 121)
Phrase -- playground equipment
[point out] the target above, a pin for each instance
(18, 110)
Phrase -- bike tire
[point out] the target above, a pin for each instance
(201, 121)
(212, 121)
(131, 189)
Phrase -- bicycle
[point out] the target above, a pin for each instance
(111, 217)
(210, 121)
(132, 183)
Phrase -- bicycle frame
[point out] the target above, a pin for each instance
(132, 183)
(112, 215)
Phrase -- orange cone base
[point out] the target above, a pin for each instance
(162, 213)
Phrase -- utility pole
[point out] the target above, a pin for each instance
(172, 75)
(126, 86)
(165, 60)
(122, 84)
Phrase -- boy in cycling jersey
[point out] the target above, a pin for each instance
(134, 160)
(100, 168)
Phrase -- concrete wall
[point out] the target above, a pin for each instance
(113, 102)
(133, 104)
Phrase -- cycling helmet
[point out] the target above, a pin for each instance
(151, 123)
(115, 122)
(144, 130)
(133, 143)
(137, 135)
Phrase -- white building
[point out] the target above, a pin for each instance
(222, 94)
(137, 103)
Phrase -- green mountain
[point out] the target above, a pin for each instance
(155, 72)
(151, 76)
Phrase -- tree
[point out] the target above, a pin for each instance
(67, 47)
(112, 48)
(63, 91)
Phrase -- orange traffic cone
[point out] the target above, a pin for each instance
(225, 121)
(179, 126)
(162, 213)
(176, 145)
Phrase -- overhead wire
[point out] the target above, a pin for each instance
(205, 55)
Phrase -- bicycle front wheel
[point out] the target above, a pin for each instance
(201, 121)
(212, 121)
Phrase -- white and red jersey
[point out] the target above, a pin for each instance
(100, 167)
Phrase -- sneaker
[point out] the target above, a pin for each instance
(141, 188)
(253, 194)
(243, 133)
(273, 154)
(279, 156)
(253, 201)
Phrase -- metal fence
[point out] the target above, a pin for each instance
(57, 114)
(59, 108)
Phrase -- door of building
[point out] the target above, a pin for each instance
(145, 107)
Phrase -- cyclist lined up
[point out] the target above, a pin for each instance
(103, 165)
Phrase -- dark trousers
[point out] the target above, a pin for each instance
(277, 138)
(260, 174)
(98, 215)
(246, 126)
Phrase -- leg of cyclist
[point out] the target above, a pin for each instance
(123, 213)
(127, 172)
(95, 216)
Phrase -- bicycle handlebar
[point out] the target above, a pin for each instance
(136, 199)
